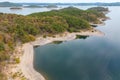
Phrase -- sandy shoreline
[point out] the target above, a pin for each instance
(26, 64)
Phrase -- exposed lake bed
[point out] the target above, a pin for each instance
(27, 66)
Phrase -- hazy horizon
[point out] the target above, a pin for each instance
(60, 1)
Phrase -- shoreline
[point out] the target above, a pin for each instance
(26, 66)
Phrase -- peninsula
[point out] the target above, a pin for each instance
(19, 34)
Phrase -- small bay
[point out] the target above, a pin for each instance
(92, 58)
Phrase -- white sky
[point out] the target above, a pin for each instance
(55, 1)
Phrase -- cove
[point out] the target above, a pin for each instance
(92, 58)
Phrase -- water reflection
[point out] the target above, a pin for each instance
(78, 61)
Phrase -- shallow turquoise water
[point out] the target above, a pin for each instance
(93, 58)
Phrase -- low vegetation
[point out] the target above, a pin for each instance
(57, 42)
(21, 29)
(81, 37)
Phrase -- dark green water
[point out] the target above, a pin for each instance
(93, 58)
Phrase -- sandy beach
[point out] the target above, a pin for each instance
(26, 60)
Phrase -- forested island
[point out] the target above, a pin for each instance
(15, 8)
(19, 29)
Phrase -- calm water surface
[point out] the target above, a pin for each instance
(26, 11)
(93, 58)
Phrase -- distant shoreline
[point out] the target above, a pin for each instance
(11, 4)
(26, 64)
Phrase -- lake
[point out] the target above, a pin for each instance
(26, 11)
(93, 58)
